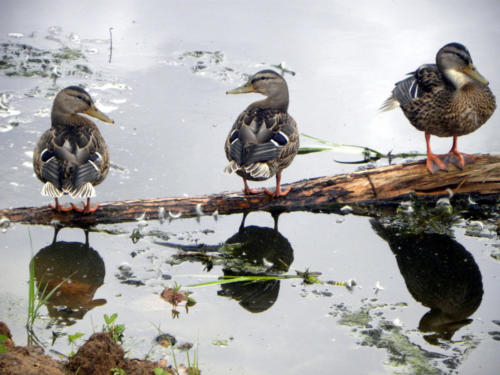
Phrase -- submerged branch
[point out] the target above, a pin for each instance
(363, 190)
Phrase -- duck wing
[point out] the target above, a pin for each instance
(72, 160)
(258, 135)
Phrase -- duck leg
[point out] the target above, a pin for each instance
(247, 189)
(433, 163)
(459, 159)
(86, 207)
(278, 193)
(60, 208)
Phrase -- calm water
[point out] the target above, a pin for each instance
(171, 118)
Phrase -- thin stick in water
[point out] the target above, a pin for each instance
(110, 44)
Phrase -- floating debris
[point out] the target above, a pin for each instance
(166, 340)
(174, 296)
(221, 343)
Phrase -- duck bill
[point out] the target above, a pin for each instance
(247, 87)
(474, 74)
(94, 112)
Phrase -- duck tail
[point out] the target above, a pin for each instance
(49, 190)
(389, 104)
(231, 167)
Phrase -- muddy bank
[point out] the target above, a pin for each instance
(99, 355)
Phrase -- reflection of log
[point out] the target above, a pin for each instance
(374, 186)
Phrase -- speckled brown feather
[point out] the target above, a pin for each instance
(80, 131)
(444, 111)
(274, 120)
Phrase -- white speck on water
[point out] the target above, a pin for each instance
(142, 217)
(4, 224)
(5, 127)
(346, 210)
(14, 183)
(15, 35)
(29, 154)
(471, 202)
(477, 225)
(27, 164)
(92, 51)
(54, 30)
(7, 112)
(450, 193)
(43, 112)
(378, 287)
(443, 202)
(74, 37)
(397, 322)
(162, 214)
(174, 215)
(105, 108)
(406, 207)
(108, 86)
(118, 101)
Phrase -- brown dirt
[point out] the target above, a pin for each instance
(96, 357)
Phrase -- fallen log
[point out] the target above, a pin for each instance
(372, 187)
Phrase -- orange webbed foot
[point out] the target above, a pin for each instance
(57, 207)
(459, 159)
(434, 163)
(87, 209)
(278, 193)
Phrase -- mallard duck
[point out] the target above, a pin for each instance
(446, 99)
(264, 139)
(71, 157)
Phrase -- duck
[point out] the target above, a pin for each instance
(72, 157)
(264, 139)
(447, 99)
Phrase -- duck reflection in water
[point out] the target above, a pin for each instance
(259, 251)
(80, 269)
(439, 273)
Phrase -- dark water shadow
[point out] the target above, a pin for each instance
(440, 274)
(260, 251)
(251, 251)
(81, 271)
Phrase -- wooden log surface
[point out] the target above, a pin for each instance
(372, 186)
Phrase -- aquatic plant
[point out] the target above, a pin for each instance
(115, 330)
(368, 154)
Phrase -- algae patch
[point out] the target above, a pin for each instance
(23, 60)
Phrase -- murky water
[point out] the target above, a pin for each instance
(171, 64)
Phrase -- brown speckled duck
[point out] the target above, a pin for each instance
(71, 157)
(264, 139)
(446, 99)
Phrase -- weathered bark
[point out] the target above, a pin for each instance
(378, 186)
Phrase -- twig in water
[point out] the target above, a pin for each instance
(110, 44)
